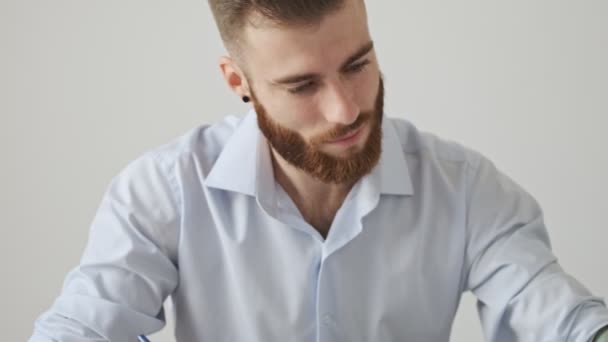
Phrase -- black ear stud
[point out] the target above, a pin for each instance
(246, 99)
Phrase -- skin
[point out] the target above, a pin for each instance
(340, 90)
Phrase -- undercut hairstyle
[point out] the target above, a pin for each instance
(232, 16)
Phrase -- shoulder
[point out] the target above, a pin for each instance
(426, 147)
(198, 147)
(202, 144)
(190, 155)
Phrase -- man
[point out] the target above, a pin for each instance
(315, 217)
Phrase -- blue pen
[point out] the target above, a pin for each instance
(142, 338)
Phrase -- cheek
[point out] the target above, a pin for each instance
(305, 119)
(366, 89)
(299, 115)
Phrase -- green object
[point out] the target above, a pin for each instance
(602, 335)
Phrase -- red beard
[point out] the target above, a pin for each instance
(306, 156)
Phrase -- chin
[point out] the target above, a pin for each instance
(345, 153)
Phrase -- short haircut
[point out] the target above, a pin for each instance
(231, 16)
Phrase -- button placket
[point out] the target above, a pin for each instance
(328, 320)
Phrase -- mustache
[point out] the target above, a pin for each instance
(341, 130)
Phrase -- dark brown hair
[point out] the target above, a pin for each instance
(231, 16)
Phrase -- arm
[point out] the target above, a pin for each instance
(523, 294)
(128, 267)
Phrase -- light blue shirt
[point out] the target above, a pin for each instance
(202, 220)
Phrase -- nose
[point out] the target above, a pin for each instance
(340, 106)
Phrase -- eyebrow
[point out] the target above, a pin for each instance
(364, 50)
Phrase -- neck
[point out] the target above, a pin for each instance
(317, 201)
(304, 187)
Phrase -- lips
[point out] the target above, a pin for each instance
(347, 136)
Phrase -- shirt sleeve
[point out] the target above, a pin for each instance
(129, 265)
(523, 295)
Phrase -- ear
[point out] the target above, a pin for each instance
(234, 76)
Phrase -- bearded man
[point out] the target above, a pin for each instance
(315, 217)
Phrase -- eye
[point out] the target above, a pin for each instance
(355, 68)
(306, 87)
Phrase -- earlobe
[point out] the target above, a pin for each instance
(233, 76)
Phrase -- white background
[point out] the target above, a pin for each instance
(86, 86)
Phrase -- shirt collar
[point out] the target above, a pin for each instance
(393, 169)
(244, 165)
(235, 168)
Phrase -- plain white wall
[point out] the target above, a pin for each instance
(86, 86)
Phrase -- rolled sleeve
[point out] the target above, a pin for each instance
(129, 266)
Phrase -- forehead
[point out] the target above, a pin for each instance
(272, 50)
